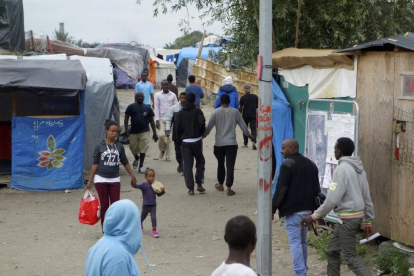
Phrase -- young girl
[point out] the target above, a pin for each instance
(105, 169)
(149, 205)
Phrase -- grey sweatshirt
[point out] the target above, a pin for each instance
(225, 120)
(349, 192)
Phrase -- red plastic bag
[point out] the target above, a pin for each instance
(89, 210)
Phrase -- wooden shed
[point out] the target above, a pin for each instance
(385, 94)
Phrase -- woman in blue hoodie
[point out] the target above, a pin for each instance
(230, 90)
(113, 254)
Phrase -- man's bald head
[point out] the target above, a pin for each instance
(289, 147)
(139, 97)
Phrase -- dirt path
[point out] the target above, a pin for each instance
(40, 233)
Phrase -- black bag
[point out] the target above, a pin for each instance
(319, 200)
(123, 139)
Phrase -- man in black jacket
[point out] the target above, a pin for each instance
(296, 189)
(191, 125)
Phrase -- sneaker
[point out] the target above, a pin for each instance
(141, 170)
(135, 164)
(245, 146)
(254, 147)
(155, 234)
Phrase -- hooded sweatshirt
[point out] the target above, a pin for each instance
(191, 123)
(233, 94)
(114, 253)
(349, 192)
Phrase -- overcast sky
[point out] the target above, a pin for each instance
(109, 20)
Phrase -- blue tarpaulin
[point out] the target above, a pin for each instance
(281, 124)
(47, 154)
(192, 52)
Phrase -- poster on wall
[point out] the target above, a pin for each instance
(340, 125)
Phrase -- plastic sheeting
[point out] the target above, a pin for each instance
(184, 71)
(324, 83)
(12, 35)
(130, 63)
(162, 70)
(45, 74)
(142, 51)
(281, 124)
(99, 99)
(123, 81)
(191, 53)
(47, 154)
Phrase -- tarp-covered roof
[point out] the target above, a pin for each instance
(192, 52)
(402, 40)
(144, 52)
(64, 75)
(292, 58)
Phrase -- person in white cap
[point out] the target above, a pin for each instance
(230, 90)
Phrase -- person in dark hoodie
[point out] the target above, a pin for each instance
(349, 196)
(191, 125)
(105, 169)
(230, 90)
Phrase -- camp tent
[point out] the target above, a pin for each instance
(55, 47)
(184, 71)
(47, 120)
(12, 35)
(192, 52)
(162, 70)
(142, 51)
(129, 62)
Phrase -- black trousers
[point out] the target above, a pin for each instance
(226, 155)
(191, 151)
(178, 154)
(249, 120)
(149, 209)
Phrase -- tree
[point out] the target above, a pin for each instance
(323, 24)
(64, 37)
(185, 40)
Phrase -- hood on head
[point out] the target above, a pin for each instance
(188, 106)
(228, 88)
(123, 222)
(354, 161)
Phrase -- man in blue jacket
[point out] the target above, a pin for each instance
(230, 90)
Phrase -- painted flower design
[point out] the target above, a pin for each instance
(53, 157)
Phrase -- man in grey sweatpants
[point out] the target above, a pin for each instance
(349, 192)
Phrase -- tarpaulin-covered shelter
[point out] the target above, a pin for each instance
(53, 47)
(129, 62)
(385, 94)
(47, 122)
(192, 52)
(12, 35)
(184, 71)
(162, 70)
(144, 52)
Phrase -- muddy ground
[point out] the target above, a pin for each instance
(40, 233)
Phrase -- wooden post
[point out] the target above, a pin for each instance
(33, 41)
(297, 24)
(50, 45)
(201, 45)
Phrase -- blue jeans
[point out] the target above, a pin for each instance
(298, 243)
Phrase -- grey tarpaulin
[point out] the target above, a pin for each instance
(99, 98)
(64, 75)
(144, 52)
(130, 63)
(12, 25)
(184, 71)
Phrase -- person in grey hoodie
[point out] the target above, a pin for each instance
(349, 196)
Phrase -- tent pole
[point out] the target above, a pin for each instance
(200, 48)
(264, 139)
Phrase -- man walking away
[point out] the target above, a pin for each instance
(296, 189)
(164, 100)
(145, 87)
(171, 86)
(248, 106)
(230, 90)
(172, 119)
(191, 125)
(141, 116)
(240, 235)
(195, 89)
(349, 196)
(225, 120)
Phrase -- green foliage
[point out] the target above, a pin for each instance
(323, 23)
(321, 242)
(393, 259)
(185, 40)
